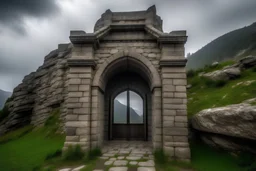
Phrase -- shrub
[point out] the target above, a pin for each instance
(211, 83)
(93, 154)
(73, 153)
(160, 156)
(190, 73)
(56, 153)
(52, 123)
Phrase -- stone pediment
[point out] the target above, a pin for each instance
(146, 22)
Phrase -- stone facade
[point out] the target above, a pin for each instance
(122, 42)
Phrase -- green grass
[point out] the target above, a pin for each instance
(205, 158)
(28, 151)
(202, 95)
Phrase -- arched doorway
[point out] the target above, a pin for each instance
(128, 117)
(127, 114)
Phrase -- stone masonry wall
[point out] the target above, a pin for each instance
(40, 92)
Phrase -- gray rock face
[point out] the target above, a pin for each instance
(225, 74)
(248, 62)
(234, 120)
(231, 127)
(40, 92)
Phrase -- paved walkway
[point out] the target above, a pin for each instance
(127, 156)
(124, 156)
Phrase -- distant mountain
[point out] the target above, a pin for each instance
(120, 114)
(4, 95)
(233, 45)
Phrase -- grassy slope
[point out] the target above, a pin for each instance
(200, 96)
(28, 151)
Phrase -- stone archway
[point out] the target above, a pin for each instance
(126, 62)
(149, 69)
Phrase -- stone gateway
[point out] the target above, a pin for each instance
(125, 81)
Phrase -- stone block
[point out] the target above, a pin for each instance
(182, 82)
(73, 100)
(182, 153)
(84, 87)
(168, 81)
(71, 117)
(81, 111)
(70, 131)
(82, 131)
(168, 94)
(84, 117)
(168, 118)
(173, 100)
(169, 151)
(167, 124)
(168, 112)
(176, 131)
(77, 124)
(181, 112)
(180, 95)
(181, 119)
(72, 138)
(75, 81)
(84, 99)
(84, 138)
(74, 105)
(168, 88)
(75, 94)
(169, 75)
(79, 70)
(72, 88)
(180, 88)
(168, 139)
(180, 138)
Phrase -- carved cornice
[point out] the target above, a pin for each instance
(80, 37)
(82, 63)
(169, 39)
(173, 63)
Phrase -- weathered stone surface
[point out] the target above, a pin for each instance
(79, 168)
(40, 92)
(234, 120)
(149, 163)
(146, 169)
(247, 62)
(120, 163)
(118, 169)
(225, 74)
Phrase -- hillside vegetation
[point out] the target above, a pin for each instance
(208, 94)
(235, 44)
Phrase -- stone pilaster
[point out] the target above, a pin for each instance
(79, 115)
(174, 98)
(157, 118)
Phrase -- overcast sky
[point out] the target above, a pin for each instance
(30, 29)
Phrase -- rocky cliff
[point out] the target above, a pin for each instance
(40, 92)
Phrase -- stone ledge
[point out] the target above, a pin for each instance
(80, 37)
(82, 63)
(173, 63)
(172, 38)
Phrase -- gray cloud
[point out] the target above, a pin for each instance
(48, 22)
(12, 12)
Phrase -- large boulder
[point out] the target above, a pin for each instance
(231, 127)
(248, 62)
(237, 120)
(225, 74)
